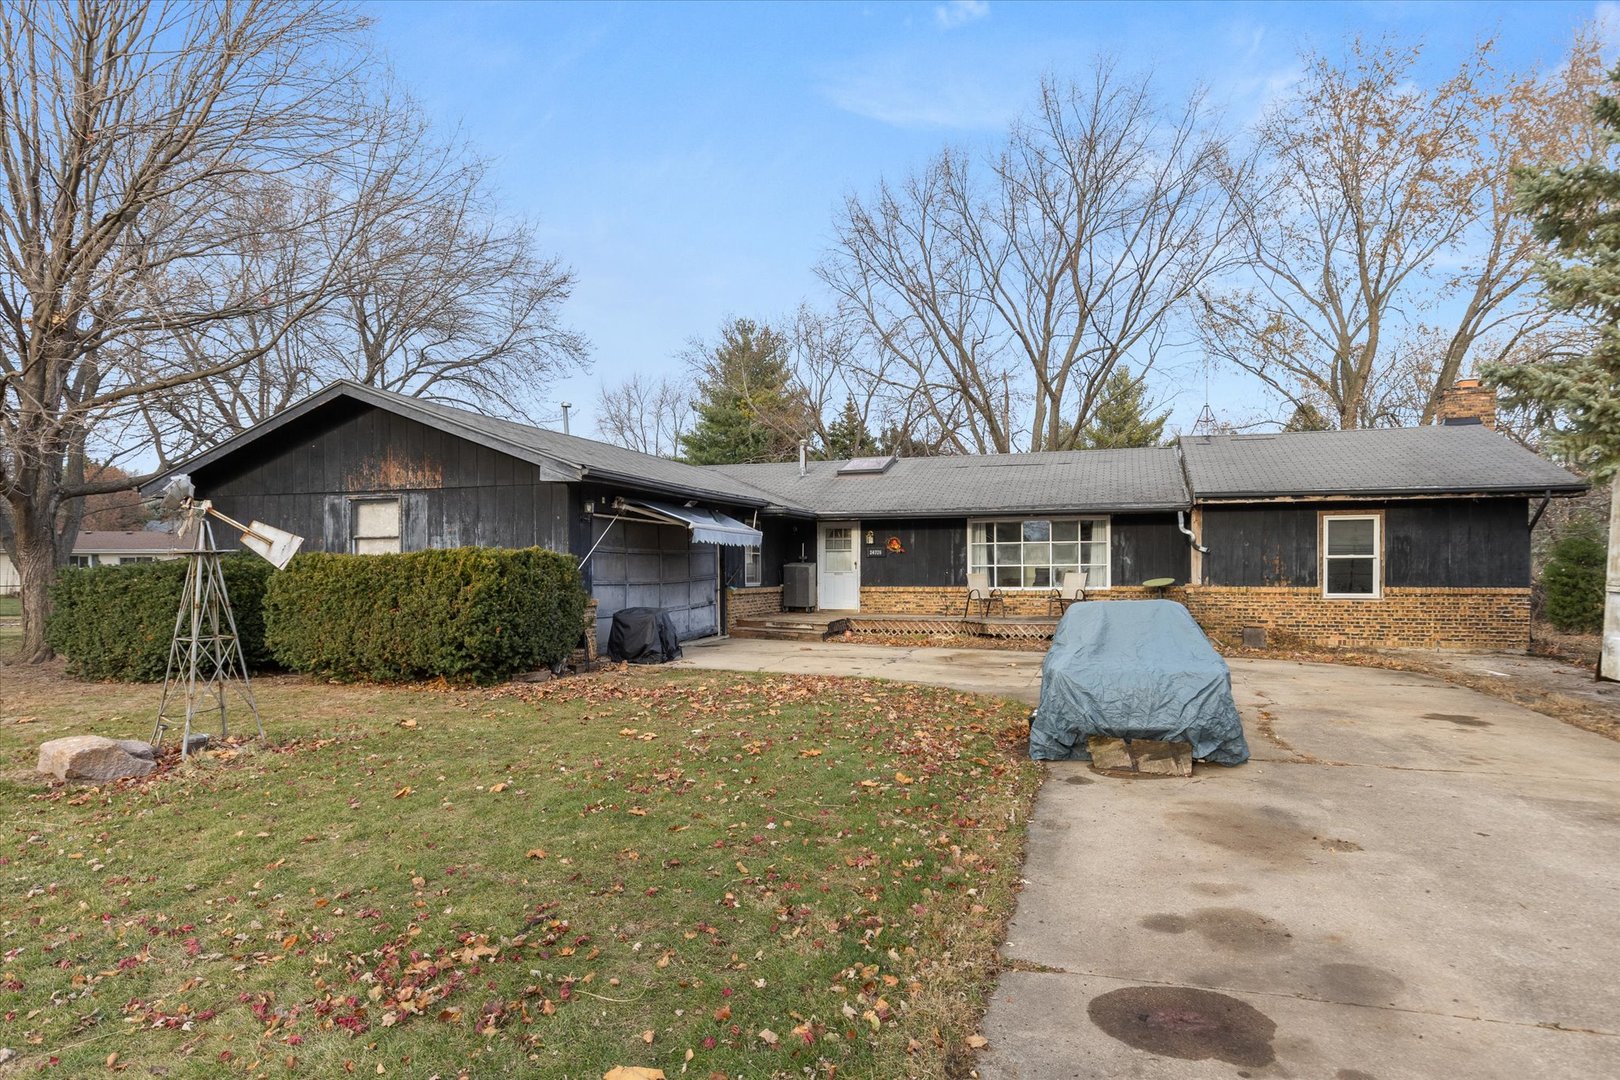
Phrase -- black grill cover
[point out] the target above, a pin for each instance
(643, 635)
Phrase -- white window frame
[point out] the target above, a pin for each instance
(753, 566)
(1098, 575)
(354, 524)
(1377, 556)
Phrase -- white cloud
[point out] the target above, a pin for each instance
(956, 13)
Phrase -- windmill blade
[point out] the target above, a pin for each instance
(275, 546)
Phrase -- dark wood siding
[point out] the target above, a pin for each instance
(1458, 543)
(1260, 545)
(784, 540)
(1428, 543)
(935, 552)
(1148, 546)
(452, 492)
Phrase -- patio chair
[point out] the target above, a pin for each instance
(1072, 590)
(979, 589)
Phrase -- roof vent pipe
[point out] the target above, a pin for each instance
(804, 456)
(1181, 523)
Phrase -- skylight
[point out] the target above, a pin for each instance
(866, 465)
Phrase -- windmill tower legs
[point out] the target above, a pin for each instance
(205, 657)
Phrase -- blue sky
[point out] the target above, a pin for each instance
(686, 159)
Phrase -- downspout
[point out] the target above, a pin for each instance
(1181, 523)
(1535, 518)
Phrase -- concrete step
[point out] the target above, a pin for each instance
(763, 633)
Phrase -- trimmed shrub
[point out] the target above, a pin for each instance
(1573, 581)
(117, 622)
(463, 614)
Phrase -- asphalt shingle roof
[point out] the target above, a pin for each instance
(1101, 480)
(1379, 461)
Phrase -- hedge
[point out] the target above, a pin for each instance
(117, 622)
(1573, 580)
(463, 614)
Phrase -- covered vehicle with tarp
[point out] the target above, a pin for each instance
(1135, 669)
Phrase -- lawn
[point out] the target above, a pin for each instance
(10, 605)
(699, 873)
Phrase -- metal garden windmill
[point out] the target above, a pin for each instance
(205, 656)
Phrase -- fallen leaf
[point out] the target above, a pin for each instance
(902, 778)
(767, 1036)
(502, 786)
(407, 723)
(402, 792)
(632, 1072)
(647, 1037)
(537, 853)
(636, 811)
(977, 1042)
(809, 753)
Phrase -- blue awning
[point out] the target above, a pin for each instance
(707, 526)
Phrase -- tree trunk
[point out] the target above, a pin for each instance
(36, 567)
(1609, 660)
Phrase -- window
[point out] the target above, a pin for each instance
(752, 566)
(84, 560)
(137, 558)
(376, 526)
(1350, 556)
(839, 547)
(1036, 554)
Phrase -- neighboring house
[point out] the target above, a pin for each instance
(1390, 537)
(93, 548)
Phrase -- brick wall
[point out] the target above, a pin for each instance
(1402, 618)
(934, 600)
(752, 603)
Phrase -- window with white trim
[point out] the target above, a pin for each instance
(1351, 563)
(1035, 554)
(376, 527)
(753, 566)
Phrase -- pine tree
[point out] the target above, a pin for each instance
(847, 436)
(1122, 417)
(748, 408)
(1307, 417)
(1575, 210)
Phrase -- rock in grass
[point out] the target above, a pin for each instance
(92, 758)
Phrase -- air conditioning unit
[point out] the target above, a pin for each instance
(799, 586)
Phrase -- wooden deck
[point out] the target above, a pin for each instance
(821, 625)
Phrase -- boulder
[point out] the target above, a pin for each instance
(92, 758)
(1140, 757)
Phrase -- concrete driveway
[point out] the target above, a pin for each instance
(1410, 880)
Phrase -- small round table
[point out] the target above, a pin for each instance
(1159, 584)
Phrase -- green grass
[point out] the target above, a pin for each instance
(10, 605)
(524, 881)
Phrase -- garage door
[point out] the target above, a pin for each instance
(641, 564)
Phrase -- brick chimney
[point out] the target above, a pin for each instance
(1467, 403)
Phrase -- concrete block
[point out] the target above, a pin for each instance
(1140, 757)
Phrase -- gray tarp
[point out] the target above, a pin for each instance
(1135, 669)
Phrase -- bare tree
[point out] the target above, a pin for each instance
(122, 127)
(645, 413)
(431, 292)
(1370, 186)
(1005, 293)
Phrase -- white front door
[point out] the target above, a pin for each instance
(839, 572)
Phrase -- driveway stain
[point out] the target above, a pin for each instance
(1078, 779)
(1187, 1023)
(1353, 1074)
(1460, 719)
(1266, 834)
(1233, 929)
(1358, 984)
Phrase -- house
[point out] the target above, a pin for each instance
(103, 548)
(1387, 537)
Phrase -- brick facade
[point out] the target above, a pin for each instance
(1432, 618)
(752, 603)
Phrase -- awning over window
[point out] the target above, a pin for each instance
(707, 526)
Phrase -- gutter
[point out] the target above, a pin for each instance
(1181, 523)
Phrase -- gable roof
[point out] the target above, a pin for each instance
(578, 458)
(1374, 461)
(1073, 480)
